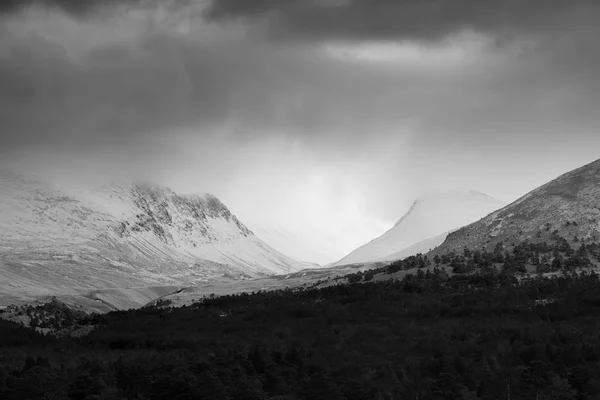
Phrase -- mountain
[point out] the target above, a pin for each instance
(425, 225)
(62, 240)
(568, 206)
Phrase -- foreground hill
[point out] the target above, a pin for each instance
(568, 206)
(425, 225)
(62, 241)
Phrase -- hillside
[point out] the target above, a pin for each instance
(568, 206)
(428, 218)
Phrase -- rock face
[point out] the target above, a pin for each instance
(425, 225)
(122, 235)
(568, 206)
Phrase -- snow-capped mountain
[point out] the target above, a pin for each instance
(122, 235)
(425, 225)
(568, 206)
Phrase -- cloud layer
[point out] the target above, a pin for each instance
(403, 19)
(272, 99)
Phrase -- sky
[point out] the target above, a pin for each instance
(324, 116)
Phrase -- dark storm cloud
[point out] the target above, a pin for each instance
(542, 96)
(83, 8)
(121, 93)
(152, 85)
(46, 98)
(401, 19)
(79, 7)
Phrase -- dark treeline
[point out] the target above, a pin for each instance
(428, 336)
(552, 256)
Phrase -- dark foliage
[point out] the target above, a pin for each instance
(558, 255)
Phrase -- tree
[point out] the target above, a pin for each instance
(559, 389)
(535, 376)
(557, 262)
(320, 386)
(465, 394)
(82, 387)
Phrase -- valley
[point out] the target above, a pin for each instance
(127, 246)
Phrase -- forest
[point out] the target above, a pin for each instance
(491, 333)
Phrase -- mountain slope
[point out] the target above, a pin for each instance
(122, 235)
(422, 247)
(568, 205)
(428, 218)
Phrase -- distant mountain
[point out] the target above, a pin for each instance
(568, 206)
(122, 235)
(425, 225)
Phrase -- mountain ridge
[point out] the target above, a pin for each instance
(568, 205)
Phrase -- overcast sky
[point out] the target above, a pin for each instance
(328, 114)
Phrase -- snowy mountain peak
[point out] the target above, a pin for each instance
(436, 198)
(446, 209)
(430, 216)
(180, 221)
(458, 191)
